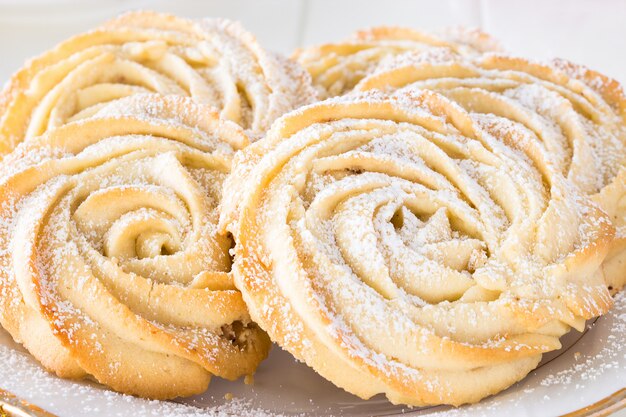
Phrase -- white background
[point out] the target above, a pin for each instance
(592, 32)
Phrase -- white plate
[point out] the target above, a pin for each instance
(590, 367)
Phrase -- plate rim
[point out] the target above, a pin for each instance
(11, 405)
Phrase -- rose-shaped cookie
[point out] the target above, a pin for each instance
(111, 263)
(337, 67)
(216, 62)
(399, 244)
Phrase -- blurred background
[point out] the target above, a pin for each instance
(591, 32)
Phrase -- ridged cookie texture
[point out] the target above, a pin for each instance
(111, 264)
(576, 116)
(400, 244)
(214, 61)
(337, 67)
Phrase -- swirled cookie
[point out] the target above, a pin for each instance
(399, 244)
(216, 62)
(337, 67)
(577, 116)
(111, 264)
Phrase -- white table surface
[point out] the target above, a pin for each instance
(591, 32)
